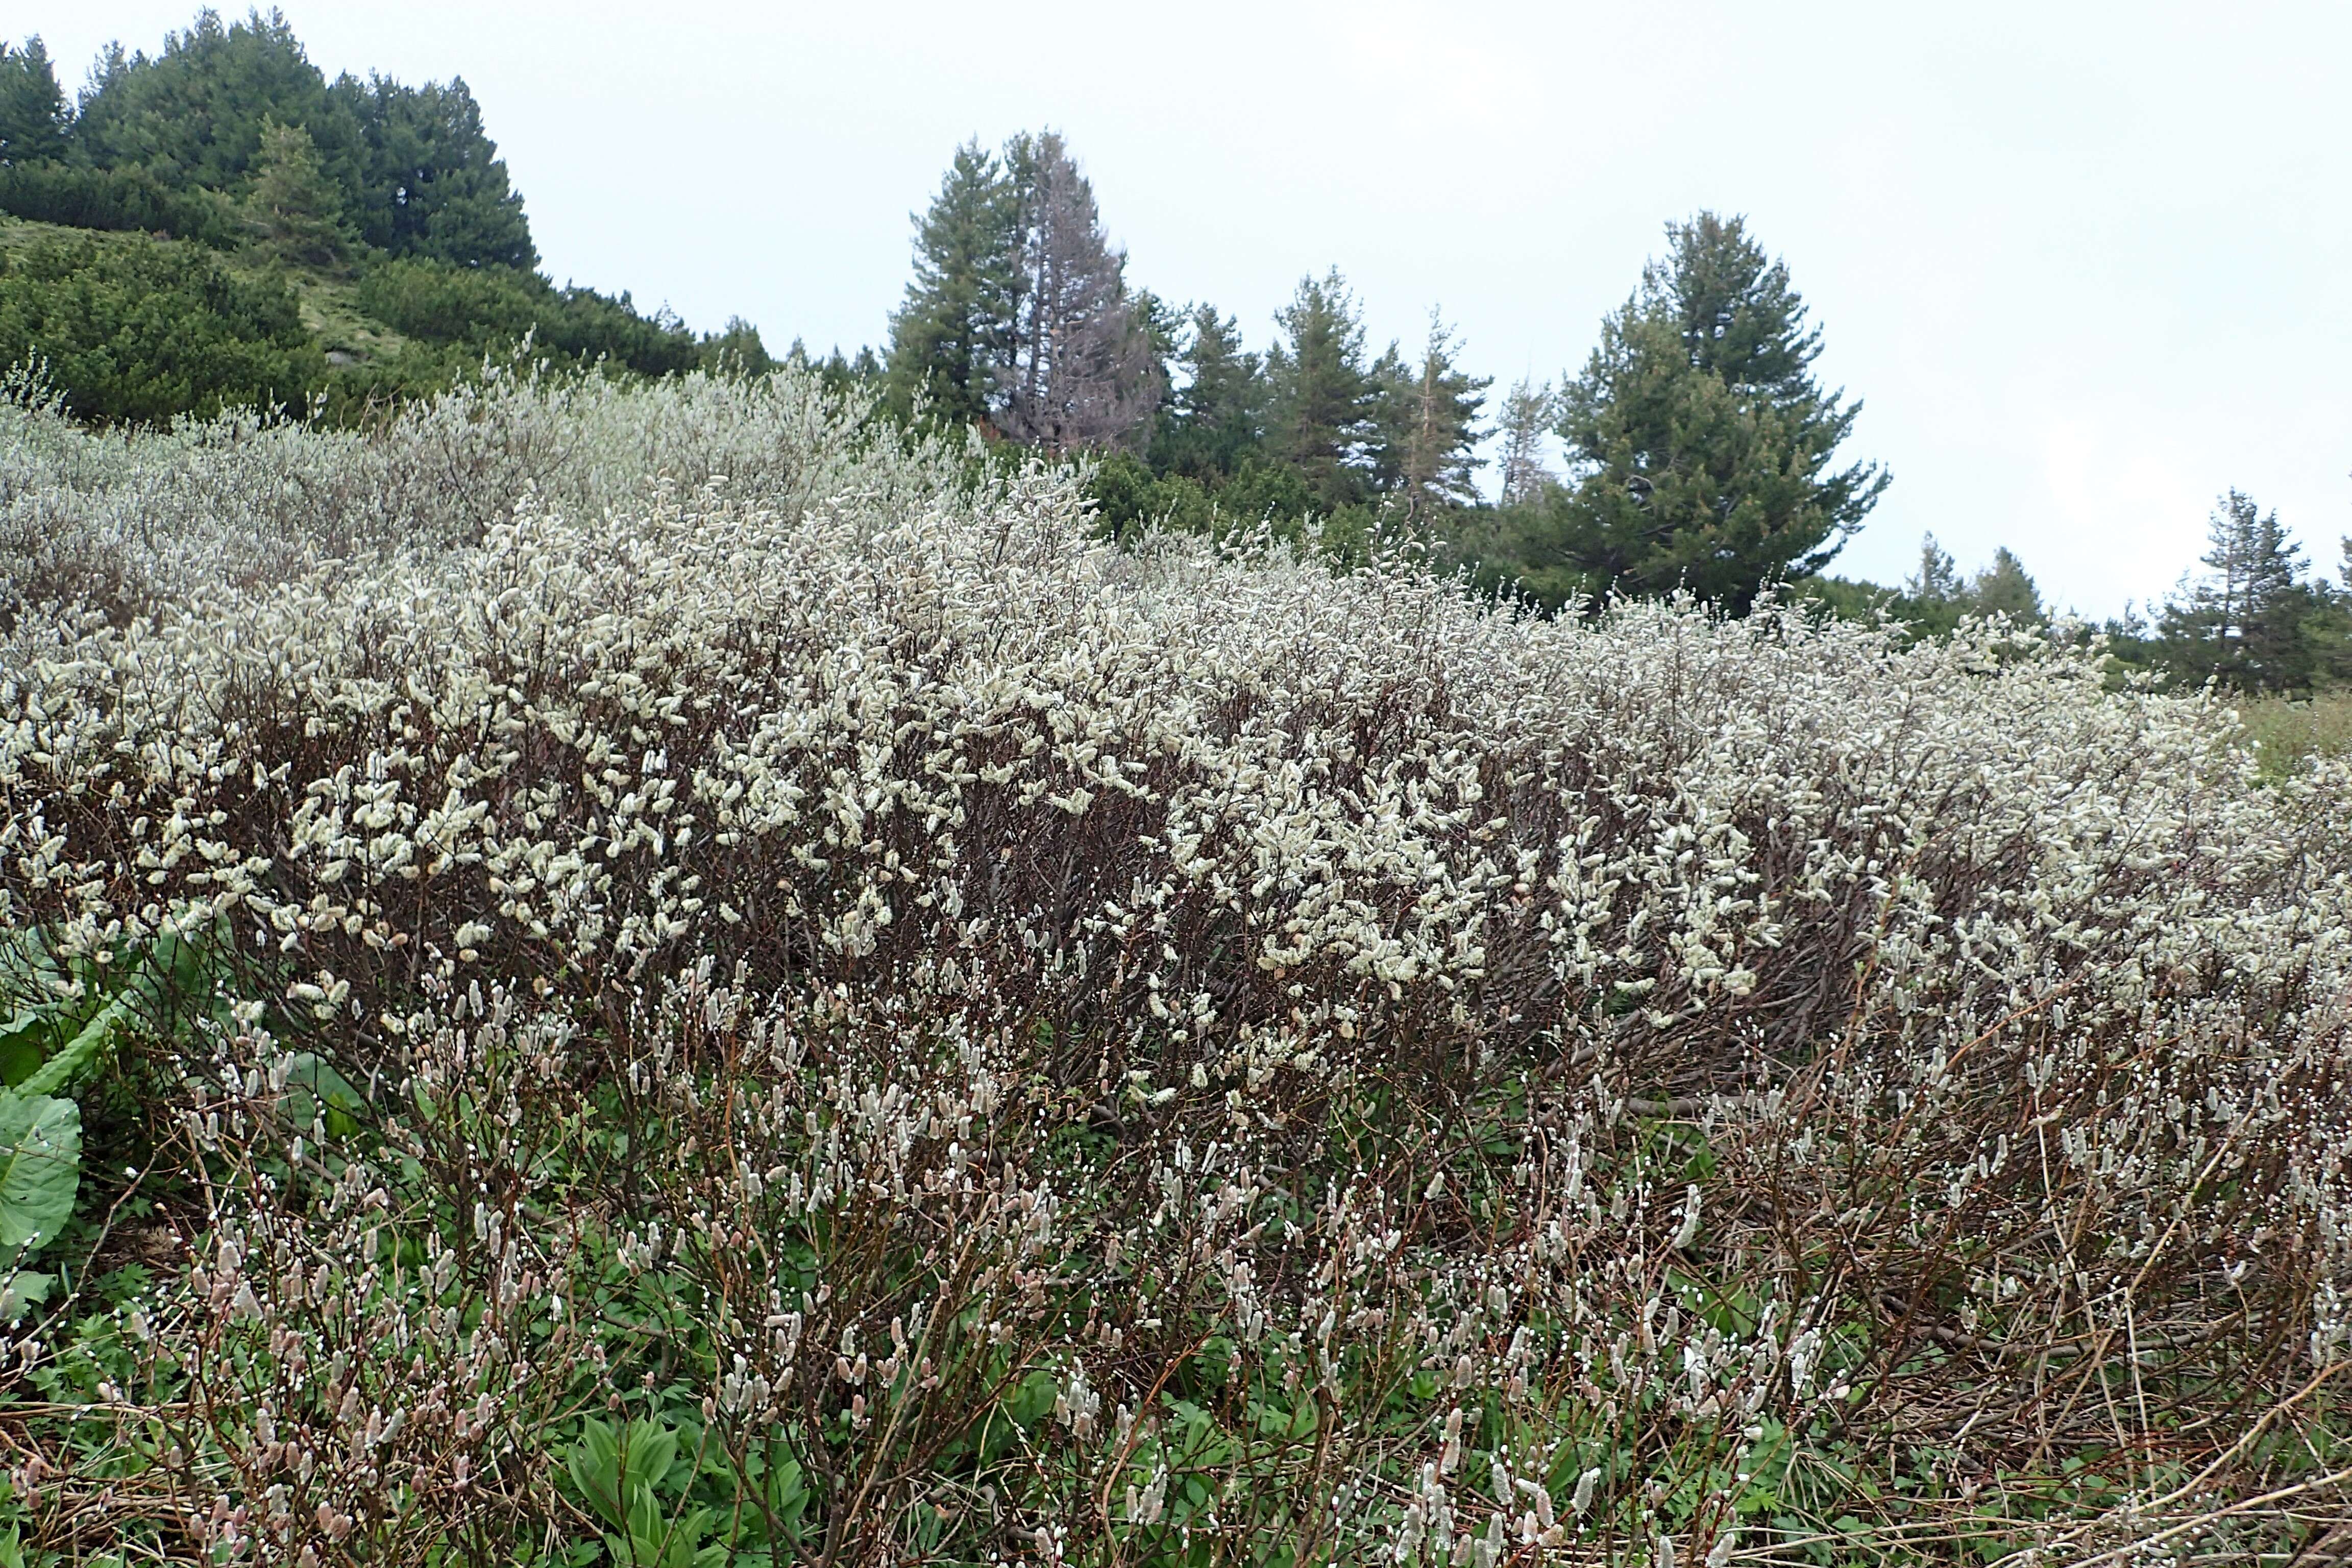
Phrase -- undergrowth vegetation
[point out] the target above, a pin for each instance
(690, 982)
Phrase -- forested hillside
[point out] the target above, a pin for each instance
(219, 225)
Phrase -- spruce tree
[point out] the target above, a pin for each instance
(1216, 419)
(1701, 439)
(193, 116)
(2003, 587)
(1938, 581)
(32, 106)
(434, 184)
(1323, 393)
(952, 338)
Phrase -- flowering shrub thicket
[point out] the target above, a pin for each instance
(871, 1027)
(125, 522)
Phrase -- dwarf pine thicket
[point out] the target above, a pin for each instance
(674, 973)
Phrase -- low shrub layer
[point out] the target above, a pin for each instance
(832, 1017)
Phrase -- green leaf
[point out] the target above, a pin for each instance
(320, 1091)
(20, 1048)
(25, 1287)
(79, 1053)
(596, 1465)
(648, 1452)
(40, 1168)
(788, 1496)
(616, 1469)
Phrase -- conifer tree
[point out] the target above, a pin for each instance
(1701, 439)
(1216, 418)
(2243, 622)
(193, 116)
(293, 206)
(1938, 581)
(1430, 427)
(953, 336)
(434, 184)
(2003, 587)
(1080, 371)
(1526, 418)
(1323, 393)
(32, 105)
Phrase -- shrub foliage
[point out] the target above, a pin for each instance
(144, 330)
(821, 1013)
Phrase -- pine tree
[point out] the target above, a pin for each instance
(1080, 372)
(1323, 394)
(293, 206)
(2005, 588)
(1216, 419)
(1430, 426)
(1527, 416)
(435, 184)
(953, 336)
(193, 116)
(1938, 581)
(1702, 441)
(2243, 622)
(32, 106)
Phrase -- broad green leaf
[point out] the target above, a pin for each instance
(40, 1168)
(21, 1045)
(788, 1496)
(318, 1089)
(594, 1464)
(79, 1052)
(647, 1453)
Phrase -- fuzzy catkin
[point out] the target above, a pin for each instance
(1631, 1031)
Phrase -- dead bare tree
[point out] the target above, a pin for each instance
(1082, 372)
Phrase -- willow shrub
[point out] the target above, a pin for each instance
(784, 1004)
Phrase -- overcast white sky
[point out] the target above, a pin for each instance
(2086, 264)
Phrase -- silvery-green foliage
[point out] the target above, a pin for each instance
(126, 520)
(1436, 1084)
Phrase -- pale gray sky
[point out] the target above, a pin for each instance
(2086, 264)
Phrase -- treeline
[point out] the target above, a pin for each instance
(230, 226)
(1700, 443)
(2253, 614)
(1701, 450)
(223, 184)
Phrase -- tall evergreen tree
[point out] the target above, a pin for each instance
(1081, 372)
(2003, 587)
(1526, 418)
(193, 116)
(1938, 581)
(1702, 441)
(953, 335)
(1430, 426)
(32, 106)
(2244, 621)
(434, 185)
(1216, 419)
(1323, 393)
(294, 208)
